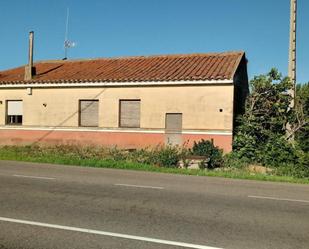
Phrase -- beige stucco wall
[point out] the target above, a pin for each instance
(199, 104)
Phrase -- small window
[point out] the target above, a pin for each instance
(129, 113)
(14, 112)
(89, 113)
(173, 122)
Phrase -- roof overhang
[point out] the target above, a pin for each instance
(113, 84)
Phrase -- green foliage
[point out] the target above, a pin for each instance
(298, 170)
(303, 166)
(302, 135)
(116, 154)
(162, 156)
(233, 160)
(277, 151)
(245, 143)
(213, 154)
(101, 158)
(261, 132)
(266, 116)
(267, 113)
(166, 156)
(140, 156)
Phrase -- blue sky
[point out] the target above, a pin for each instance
(108, 28)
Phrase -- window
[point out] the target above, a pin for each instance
(129, 113)
(14, 112)
(89, 113)
(173, 122)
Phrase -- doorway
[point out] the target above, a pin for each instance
(173, 128)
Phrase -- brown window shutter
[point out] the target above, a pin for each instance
(130, 113)
(173, 122)
(89, 113)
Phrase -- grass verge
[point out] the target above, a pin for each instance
(28, 155)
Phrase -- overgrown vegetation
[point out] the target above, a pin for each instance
(213, 155)
(261, 134)
(302, 135)
(119, 159)
(161, 156)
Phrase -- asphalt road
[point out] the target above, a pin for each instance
(50, 206)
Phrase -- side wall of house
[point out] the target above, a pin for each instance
(241, 87)
(51, 115)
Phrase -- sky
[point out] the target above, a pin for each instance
(114, 28)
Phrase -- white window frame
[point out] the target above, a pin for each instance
(13, 117)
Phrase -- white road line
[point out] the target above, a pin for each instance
(97, 232)
(35, 177)
(276, 199)
(137, 186)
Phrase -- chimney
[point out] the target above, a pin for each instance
(29, 69)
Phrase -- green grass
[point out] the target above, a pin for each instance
(29, 154)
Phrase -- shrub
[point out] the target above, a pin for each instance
(140, 156)
(302, 102)
(233, 160)
(245, 145)
(166, 156)
(298, 170)
(276, 152)
(208, 149)
(303, 166)
(116, 154)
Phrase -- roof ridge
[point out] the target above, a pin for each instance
(143, 57)
(226, 53)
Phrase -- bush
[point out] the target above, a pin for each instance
(298, 170)
(208, 149)
(166, 156)
(163, 156)
(117, 154)
(245, 145)
(302, 101)
(233, 160)
(303, 166)
(140, 156)
(276, 152)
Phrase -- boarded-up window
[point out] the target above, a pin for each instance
(173, 128)
(130, 113)
(89, 113)
(173, 122)
(14, 112)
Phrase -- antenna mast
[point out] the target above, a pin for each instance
(67, 43)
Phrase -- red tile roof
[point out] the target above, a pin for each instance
(192, 67)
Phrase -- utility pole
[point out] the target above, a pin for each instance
(292, 63)
(292, 50)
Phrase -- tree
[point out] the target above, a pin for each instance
(260, 133)
(263, 126)
(302, 117)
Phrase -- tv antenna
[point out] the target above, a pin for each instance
(67, 43)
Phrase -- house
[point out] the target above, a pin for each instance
(127, 102)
